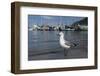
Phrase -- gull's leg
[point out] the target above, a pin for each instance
(65, 52)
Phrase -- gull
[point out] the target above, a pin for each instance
(64, 43)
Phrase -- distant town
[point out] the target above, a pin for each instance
(81, 25)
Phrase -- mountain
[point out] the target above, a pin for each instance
(81, 22)
(81, 25)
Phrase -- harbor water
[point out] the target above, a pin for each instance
(44, 45)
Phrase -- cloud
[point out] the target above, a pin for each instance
(47, 17)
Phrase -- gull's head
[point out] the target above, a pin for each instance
(61, 33)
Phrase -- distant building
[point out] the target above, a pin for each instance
(35, 27)
(45, 27)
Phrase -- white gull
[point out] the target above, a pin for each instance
(64, 43)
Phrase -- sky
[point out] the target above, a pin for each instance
(52, 20)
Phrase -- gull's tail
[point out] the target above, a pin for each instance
(74, 44)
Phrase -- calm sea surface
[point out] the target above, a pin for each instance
(44, 45)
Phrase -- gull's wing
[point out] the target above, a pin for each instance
(70, 43)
